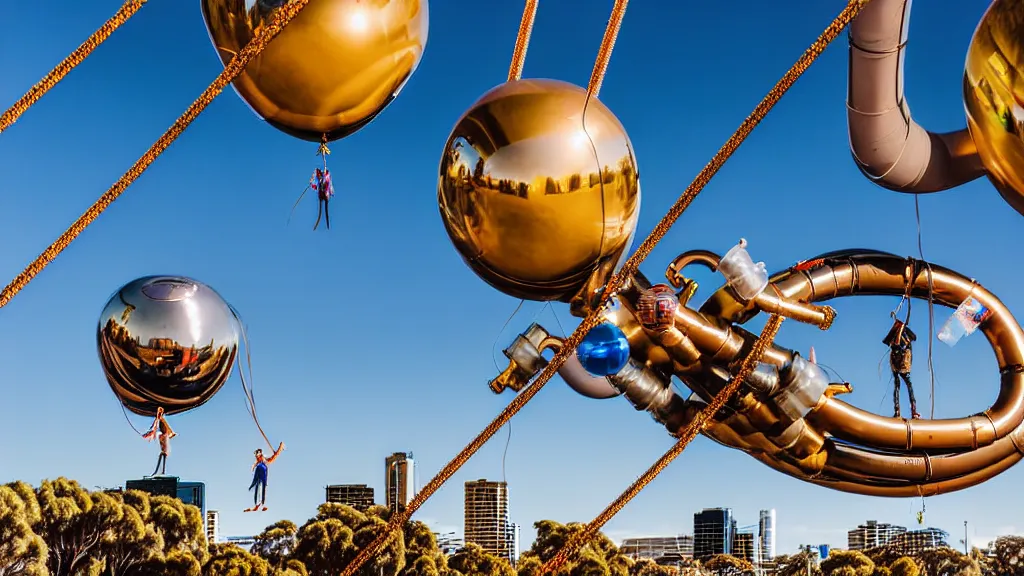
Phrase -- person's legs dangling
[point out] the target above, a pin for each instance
(896, 394)
(161, 459)
(327, 213)
(910, 393)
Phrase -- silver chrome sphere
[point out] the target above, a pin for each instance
(166, 341)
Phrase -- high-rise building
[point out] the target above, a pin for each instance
(872, 534)
(513, 542)
(743, 546)
(193, 493)
(399, 473)
(358, 496)
(486, 518)
(766, 532)
(713, 530)
(212, 526)
(666, 548)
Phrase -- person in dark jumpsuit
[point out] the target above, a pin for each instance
(259, 478)
(900, 341)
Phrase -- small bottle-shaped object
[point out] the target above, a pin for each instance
(656, 308)
(964, 321)
(745, 277)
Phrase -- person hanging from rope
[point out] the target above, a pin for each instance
(259, 478)
(321, 183)
(900, 341)
(161, 427)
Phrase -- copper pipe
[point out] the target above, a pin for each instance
(889, 147)
(888, 456)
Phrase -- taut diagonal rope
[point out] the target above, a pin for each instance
(231, 71)
(127, 10)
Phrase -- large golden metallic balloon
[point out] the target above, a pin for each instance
(994, 97)
(336, 66)
(532, 201)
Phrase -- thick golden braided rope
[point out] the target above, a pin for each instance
(629, 268)
(127, 10)
(771, 329)
(515, 70)
(231, 71)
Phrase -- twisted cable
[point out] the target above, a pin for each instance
(11, 115)
(231, 71)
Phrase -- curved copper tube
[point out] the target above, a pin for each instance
(889, 147)
(838, 445)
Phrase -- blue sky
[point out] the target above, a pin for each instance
(375, 337)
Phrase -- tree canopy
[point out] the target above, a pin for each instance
(61, 529)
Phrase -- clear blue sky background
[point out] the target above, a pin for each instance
(345, 372)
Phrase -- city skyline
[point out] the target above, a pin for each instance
(345, 376)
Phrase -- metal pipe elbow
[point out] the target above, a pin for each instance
(584, 383)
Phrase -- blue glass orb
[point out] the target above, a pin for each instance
(604, 350)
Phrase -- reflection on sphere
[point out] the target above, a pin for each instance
(337, 65)
(522, 196)
(166, 342)
(993, 93)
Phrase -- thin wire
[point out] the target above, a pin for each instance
(604, 54)
(129, 420)
(247, 386)
(504, 454)
(515, 70)
(494, 345)
(231, 71)
(123, 14)
(691, 431)
(931, 302)
(398, 521)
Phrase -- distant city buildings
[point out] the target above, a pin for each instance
(399, 474)
(872, 534)
(358, 496)
(193, 493)
(660, 549)
(486, 519)
(713, 532)
(449, 542)
(212, 526)
(245, 542)
(743, 546)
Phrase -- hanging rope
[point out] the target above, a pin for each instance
(691, 431)
(604, 54)
(629, 268)
(247, 384)
(515, 70)
(127, 10)
(231, 71)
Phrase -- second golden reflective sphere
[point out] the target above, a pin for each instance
(532, 201)
(332, 70)
(993, 93)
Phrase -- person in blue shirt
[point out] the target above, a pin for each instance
(259, 478)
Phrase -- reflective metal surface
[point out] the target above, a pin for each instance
(889, 147)
(336, 66)
(166, 341)
(535, 203)
(788, 415)
(993, 97)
